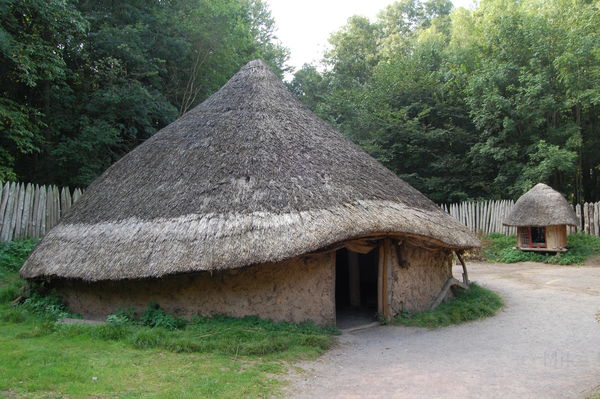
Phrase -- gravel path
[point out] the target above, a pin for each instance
(544, 344)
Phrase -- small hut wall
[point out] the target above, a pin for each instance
(295, 290)
(419, 275)
(556, 237)
(523, 237)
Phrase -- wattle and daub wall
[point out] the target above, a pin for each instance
(299, 289)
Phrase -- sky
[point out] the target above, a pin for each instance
(304, 26)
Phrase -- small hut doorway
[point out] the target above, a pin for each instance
(356, 287)
(532, 237)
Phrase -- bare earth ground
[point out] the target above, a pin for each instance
(545, 343)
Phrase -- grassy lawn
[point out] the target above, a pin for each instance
(499, 248)
(472, 304)
(156, 356)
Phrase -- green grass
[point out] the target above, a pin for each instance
(472, 304)
(218, 357)
(499, 248)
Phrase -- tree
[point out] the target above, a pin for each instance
(92, 79)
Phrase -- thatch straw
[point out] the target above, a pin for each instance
(248, 176)
(541, 206)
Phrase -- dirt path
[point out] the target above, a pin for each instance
(544, 344)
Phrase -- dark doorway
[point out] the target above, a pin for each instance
(538, 237)
(356, 287)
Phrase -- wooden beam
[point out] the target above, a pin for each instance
(464, 266)
(452, 282)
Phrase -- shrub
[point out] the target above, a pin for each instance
(123, 316)
(12, 256)
(49, 307)
(14, 253)
(154, 316)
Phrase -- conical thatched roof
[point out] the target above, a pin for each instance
(541, 206)
(248, 176)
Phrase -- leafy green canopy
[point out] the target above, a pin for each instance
(470, 104)
(84, 82)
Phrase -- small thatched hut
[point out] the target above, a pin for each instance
(541, 216)
(250, 204)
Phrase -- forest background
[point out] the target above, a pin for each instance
(462, 104)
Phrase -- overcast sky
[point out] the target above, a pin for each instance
(304, 26)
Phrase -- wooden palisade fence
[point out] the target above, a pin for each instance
(30, 211)
(487, 216)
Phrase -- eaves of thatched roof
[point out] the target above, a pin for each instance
(248, 176)
(541, 206)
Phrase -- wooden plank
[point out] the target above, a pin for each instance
(6, 234)
(586, 221)
(483, 223)
(480, 225)
(26, 211)
(491, 216)
(464, 266)
(592, 216)
(42, 211)
(472, 222)
(556, 237)
(49, 209)
(597, 220)
(487, 217)
(36, 205)
(20, 207)
(15, 210)
(3, 202)
(505, 229)
(57, 208)
(451, 282)
(76, 195)
(66, 194)
(63, 202)
(31, 211)
(54, 201)
(495, 216)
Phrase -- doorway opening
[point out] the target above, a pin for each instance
(356, 293)
(532, 237)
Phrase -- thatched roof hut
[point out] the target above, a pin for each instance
(248, 177)
(541, 215)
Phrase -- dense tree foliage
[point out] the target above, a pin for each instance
(470, 104)
(84, 82)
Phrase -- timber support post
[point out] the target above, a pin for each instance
(464, 266)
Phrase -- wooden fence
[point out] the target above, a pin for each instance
(29, 211)
(487, 216)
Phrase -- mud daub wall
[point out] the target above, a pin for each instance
(418, 277)
(295, 290)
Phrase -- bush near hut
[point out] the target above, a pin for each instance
(468, 305)
(499, 248)
(155, 355)
(12, 256)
